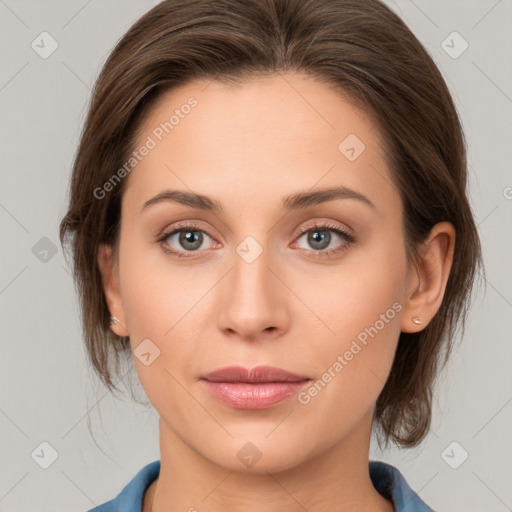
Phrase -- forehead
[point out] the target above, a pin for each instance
(283, 132)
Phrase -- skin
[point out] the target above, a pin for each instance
(248, 147)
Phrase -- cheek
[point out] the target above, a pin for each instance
(351, 370)
(350, 297)
(164, 306)
(360, 306)
(156, 295)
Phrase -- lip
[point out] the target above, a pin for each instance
(256, 388)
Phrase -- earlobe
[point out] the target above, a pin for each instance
(430, 278)
(110, 280)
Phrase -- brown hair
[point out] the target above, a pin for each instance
(360, 48)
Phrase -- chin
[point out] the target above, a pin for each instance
(258, 454)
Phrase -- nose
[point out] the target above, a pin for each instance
(253, 304)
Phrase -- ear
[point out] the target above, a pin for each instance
(110, 279)
(427, 281)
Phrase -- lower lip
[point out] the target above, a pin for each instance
(260, 395)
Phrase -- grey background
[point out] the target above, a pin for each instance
(48, 394)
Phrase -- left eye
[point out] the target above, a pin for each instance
(319, 238)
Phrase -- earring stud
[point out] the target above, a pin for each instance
(416, 320)
(114, 320)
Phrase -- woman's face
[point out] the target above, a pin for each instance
(259, 276)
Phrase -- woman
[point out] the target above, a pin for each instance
(268, 211)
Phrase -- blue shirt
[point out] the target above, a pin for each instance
(387, 480)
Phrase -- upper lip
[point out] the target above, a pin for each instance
(253, 375)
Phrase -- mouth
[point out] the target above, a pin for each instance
(257, 388)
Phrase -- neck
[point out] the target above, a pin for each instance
(337, 479)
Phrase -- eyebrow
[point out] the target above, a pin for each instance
(291, 202)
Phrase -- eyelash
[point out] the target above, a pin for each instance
(317, 226)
